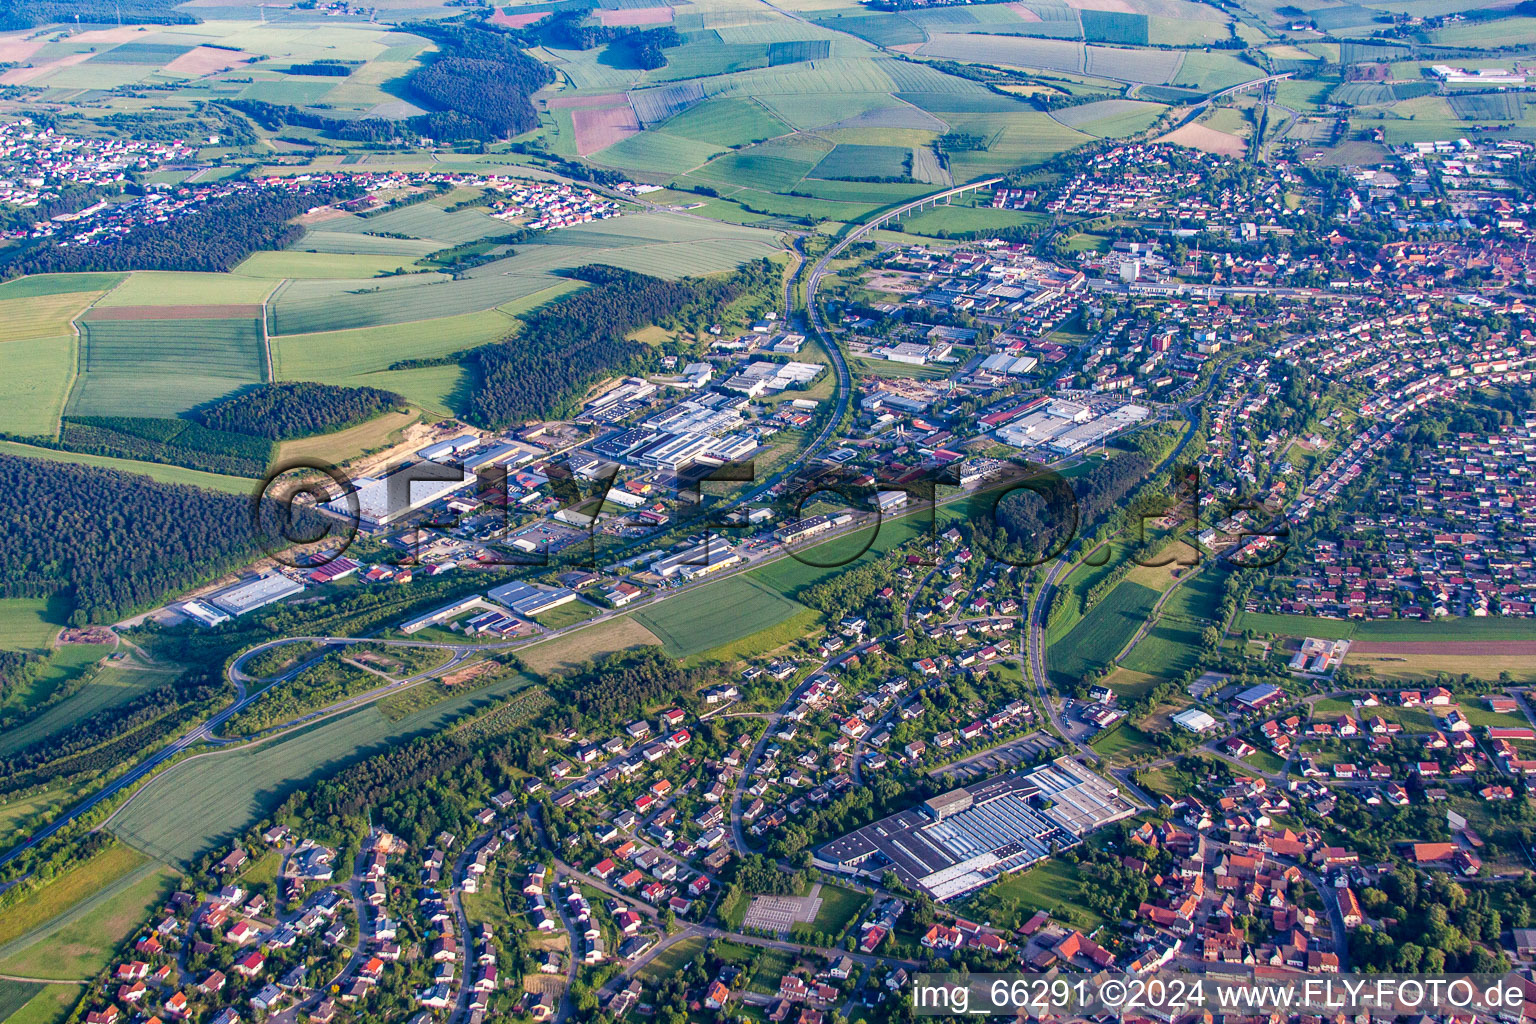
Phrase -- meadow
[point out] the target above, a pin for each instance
(202, 801)
(67, 889)
(81, 941)
(715, 614)
(565, 652)
(1051, 885)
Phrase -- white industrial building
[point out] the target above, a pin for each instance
(697, 561)
(1007, 365)
(248, 595)
(376, 506)
(1195, 720)
(528, 600)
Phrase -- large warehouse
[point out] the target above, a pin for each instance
(959, 841)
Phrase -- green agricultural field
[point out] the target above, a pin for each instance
(1294, 625)
(42, 316)
(295, 263)
(40, 285)
(957, 220)
(1406, 630)
(165, 288)
(1098, 637)
(854, 162)
(108, 687)
(1487, 33)
(14, 995)
(405, 250)
(350, 357)
(423, 220)
(790, 576)
(1213, 71)
(726, 122)
(1112, 118)
(164, 367)
(1170, 647)
(657, 153)
(51, 1005)
(205, 800)
(1388, 630)
(715, 614)
(35, 378)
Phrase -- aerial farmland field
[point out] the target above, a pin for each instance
(1103, 631)
(165, 366)
(181, 816)
(716, 614)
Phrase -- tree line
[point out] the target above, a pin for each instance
(173, 442)
(281, 412)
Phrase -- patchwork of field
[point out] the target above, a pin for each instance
(664, 244)
(205, 800)
(215, 58)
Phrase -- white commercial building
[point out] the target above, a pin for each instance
(1195, 720)
(381, 501)
(248, 595)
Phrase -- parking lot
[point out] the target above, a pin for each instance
(1023, 750)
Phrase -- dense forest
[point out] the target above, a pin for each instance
(280, 412)
(17, 668)
(1037, 520)
(173, 442)
(18, 14)
(615, 688)
(566, 346)
(481, 99)
(482, 82)
(215, 238)
(112, 541)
